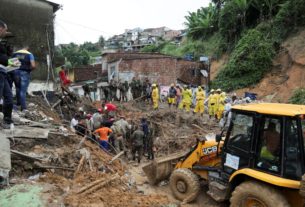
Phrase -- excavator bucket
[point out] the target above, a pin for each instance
(161, 169)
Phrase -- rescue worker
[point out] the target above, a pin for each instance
(212, 103)
(137, 141)
(155, 97)
(5, 89)
(145, 128)
(217, 97)
(65, 81)
(186, 99)
(178, 95)
(133, 88)
(103, 133)
(97, 119)
(221, 105)
(172, 95)
(200, 97)
(24, 74)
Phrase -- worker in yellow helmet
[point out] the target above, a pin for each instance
(200, 97)
(155, 96)
(186, 99)
(212, 103)
(221, 105)
(217, 96)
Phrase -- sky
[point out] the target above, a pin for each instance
(79, 21)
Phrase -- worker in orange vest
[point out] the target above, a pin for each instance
(103, 133)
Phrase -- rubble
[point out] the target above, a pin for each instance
(44, 151)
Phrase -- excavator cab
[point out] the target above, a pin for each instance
(262, 157)
(259, 162)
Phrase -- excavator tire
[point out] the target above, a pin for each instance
(252, 193)
(184, 184)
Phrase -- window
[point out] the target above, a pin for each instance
(238, 145)
(269, 145)
(241, 132)
(292, 156)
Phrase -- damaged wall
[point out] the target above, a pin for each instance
(159, 70)
(156, 67)
(30, 21)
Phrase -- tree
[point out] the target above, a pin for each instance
(101, 42)
(242, 6)
(202, 23)
(89, 46)
(74, 54)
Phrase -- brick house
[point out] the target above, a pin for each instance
(159, 68)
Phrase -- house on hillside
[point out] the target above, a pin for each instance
(32, 23)
(158, 68)
(136, 39)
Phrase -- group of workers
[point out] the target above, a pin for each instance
(185, 98)
(114, 134)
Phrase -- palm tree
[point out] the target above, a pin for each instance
(242, 6)
(200, 24)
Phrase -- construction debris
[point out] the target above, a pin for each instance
(80, 172)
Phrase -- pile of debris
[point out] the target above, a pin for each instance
(173, 129)
(42, 150)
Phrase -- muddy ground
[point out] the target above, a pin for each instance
(84, 174)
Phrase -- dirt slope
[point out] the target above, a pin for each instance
(286, 75)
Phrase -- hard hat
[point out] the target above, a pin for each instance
(153, 85)
(199, 88)
(212, 90)
(218, 90)
(223, 93)
(172, 85)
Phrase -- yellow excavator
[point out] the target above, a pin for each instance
(258, 160)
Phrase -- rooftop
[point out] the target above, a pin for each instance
(273, 108)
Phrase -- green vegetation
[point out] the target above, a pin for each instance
(251, 31)
(77, 55)
(250, 59)
(298, 96)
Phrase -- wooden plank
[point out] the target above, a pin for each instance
(5, 155)
(27, 132)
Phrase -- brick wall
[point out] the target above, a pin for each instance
(158, 70)
(85, 73)
(162, 69)
(109, 57)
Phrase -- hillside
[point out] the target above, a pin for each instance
(287, 73)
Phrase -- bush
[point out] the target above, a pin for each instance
(298, 97)
(289, 16)
(250, 59)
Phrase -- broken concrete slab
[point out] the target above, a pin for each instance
(27, 132)
(5, 161)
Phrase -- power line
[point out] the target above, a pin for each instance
(84, 26)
